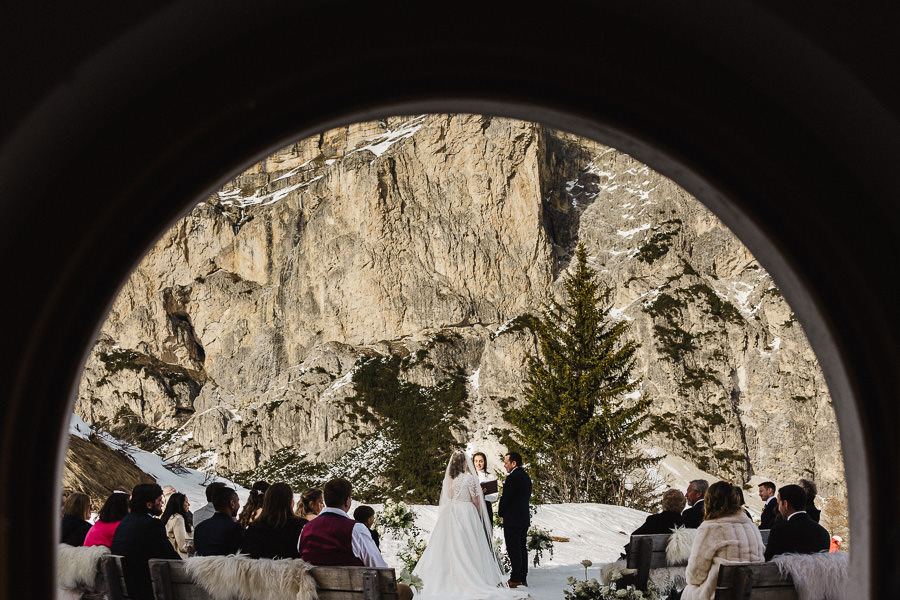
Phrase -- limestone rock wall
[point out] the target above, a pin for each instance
(239, 331)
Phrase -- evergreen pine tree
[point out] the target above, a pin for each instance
(575, 426)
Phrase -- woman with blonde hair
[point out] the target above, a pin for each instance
(76, 513)
(725, 535)
(312, 501)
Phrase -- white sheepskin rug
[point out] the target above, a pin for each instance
(819, 576)
(678, 550)
(77, 566)
(243, 578)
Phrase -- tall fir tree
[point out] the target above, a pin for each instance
(575, 426)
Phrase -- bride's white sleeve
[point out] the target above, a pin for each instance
(474, 488)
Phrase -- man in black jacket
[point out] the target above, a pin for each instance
(693, 516)
(516, 517)
(220, 535)
(141, 536)
(797, 533)
(770, 511)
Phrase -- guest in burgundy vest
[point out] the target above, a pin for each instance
(334, 539)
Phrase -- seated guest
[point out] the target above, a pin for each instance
(672, 504)
(726, 535)
(693, 516)
(207, 510)
(111, 514)
(366, 516)
(334, 539)
(811, 490)
(275, 533)
(140, 537)
(796, 533)
(770, 509)
(220, 535)
(254, 503)
(311, 504)
(177, 522)
(75, 525)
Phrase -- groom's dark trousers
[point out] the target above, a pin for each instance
(516, 519)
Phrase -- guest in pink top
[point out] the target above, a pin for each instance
(114, 510)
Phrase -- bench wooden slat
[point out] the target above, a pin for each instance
(114, 578)
(754, 582)
(172, 582)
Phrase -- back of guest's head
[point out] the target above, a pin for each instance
(306, 508)
(78, 505)
(673, 500)
(115, 508)
(336, 493)
(810, 488)
(211, 489)
(515, 457)
(277, 505)
(768, 485)
(222, 498)
(362, 513)
(254, 502)
(740, 494)
(793, 495)
(142, 494)
(700, 486)
(720, 501)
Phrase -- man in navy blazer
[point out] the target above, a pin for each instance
(516, 517)
(220, 535)
(141, 536)
(797, 533)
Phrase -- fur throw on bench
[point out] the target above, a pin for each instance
(819, 576)
(243, 578)
(678, 550)
(77, 569)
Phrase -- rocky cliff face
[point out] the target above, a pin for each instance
(424, 238)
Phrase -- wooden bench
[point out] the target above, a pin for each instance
(754, 582)
(172, 582)
(646, 552)
(111, 567)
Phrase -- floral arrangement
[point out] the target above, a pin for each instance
(594, 590)
(538, 541)
(410, 554)
(413, 581)
(397, 518)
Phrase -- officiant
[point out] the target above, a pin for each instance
(488, 483)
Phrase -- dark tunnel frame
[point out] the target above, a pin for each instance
(792, 149)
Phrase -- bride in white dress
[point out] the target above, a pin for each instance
(459, 561)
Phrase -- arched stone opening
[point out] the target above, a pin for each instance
(759, 137)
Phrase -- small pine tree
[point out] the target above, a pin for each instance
(575, 425)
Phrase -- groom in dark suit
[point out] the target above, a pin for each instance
(515, 516)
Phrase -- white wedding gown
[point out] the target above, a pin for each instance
(459, 561)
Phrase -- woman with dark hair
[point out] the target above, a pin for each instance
(811, 490)
(111, 514)
(275, 533)
(725, 535)
(254, 503)
(312, 501)
(76, 513)
(480, 462)
(177, 523)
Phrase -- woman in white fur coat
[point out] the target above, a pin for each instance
(726, 535)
